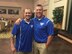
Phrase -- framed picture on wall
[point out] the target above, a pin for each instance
(2, 11)
(13, 11)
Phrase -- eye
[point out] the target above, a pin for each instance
(26, 13)
(29, 13)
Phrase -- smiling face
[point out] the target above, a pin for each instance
(39, 11)
(27, 14)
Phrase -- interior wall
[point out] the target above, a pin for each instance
(16, 3)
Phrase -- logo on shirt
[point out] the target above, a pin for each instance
(41, 24)
(31, 26)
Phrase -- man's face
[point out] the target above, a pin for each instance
(39, 11)
(27, 13)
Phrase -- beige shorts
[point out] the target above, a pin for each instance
(40, 48)
(23, 52)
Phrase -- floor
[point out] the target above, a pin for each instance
(5, 46)
(58, 46)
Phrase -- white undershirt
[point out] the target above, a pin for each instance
(27, 21)
(39, 18)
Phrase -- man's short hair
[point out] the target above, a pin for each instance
(39, 5)
(27, 9)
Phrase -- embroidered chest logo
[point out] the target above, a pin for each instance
(41, 24)
(31, 26)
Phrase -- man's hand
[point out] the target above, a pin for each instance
(18, 21)
(47, 45)
(13, 49)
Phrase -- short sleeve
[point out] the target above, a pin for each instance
(50, 28)
(15, 29)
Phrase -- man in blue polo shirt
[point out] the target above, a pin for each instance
(43, 31)
(23, 33)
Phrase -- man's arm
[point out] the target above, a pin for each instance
(13, 34)
(12, 44)
(49, 40)
(50, 30)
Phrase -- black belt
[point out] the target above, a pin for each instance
(40, 42)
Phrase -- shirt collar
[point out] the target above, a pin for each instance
(26, 21)
(39, 19)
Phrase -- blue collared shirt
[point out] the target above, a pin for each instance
(42, 29)
(24, 33)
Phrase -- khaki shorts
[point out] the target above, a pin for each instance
(23, 52)
(40, 48)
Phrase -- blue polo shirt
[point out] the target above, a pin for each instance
(24, 33)
(42, 29)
